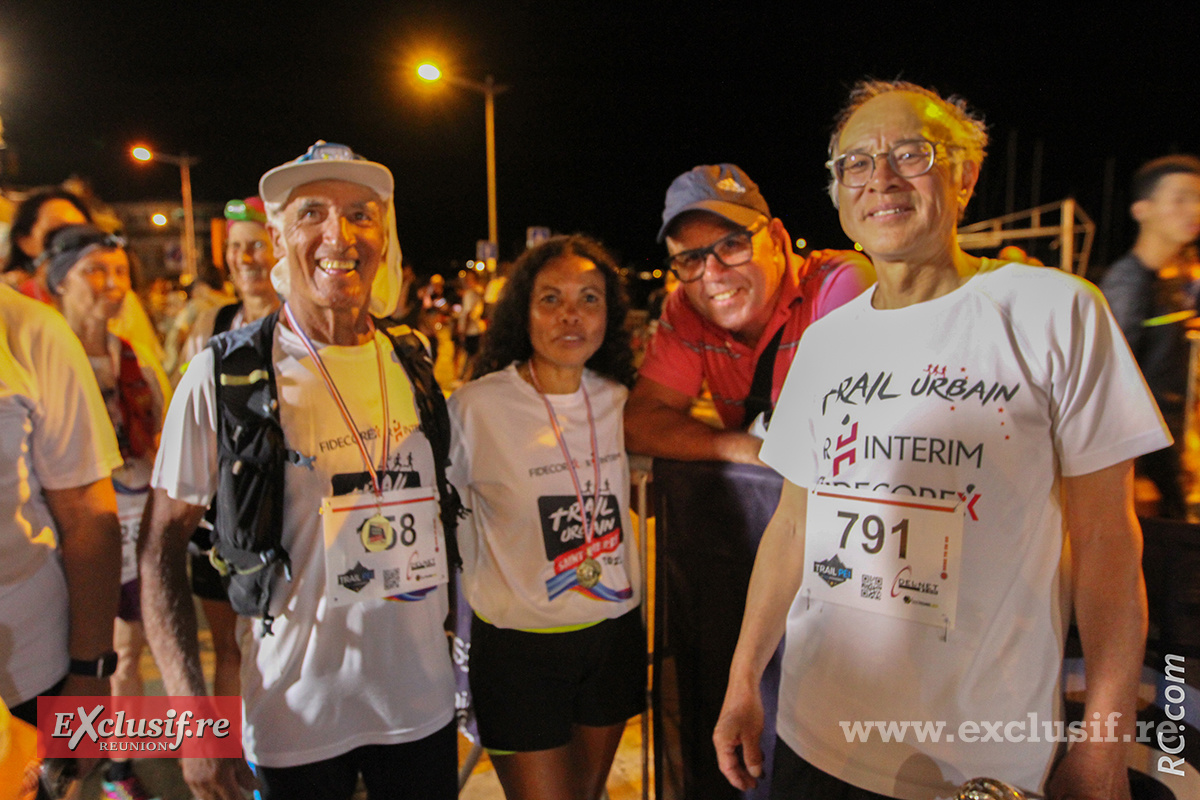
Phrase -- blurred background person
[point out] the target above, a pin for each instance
(470, 324)
(495, 289)
(408, 307)
(88, 274)
(1014, 254)
(435, 311)
(37, 215)
(249, 258)
(45, 211)
(1150, 293)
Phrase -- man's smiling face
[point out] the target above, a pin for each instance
(333, 235)
(739, 299)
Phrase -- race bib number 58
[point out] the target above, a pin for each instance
(884, 553)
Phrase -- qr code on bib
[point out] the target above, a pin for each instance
(391, 579)
(872, 587)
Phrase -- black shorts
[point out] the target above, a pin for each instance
(129, 608)
(207, 583)
(792, 776)
(426, 769)
(530, 688)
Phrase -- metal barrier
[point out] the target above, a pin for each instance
(709, 519)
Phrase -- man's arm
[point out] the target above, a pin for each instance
(778, 570)
(658, 423)
(170, 620)
(1110, 612)
(90, 542)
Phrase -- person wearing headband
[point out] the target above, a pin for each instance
(88, 274)
(558, 649)
(348, 672)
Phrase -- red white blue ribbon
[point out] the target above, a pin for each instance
(341, 404)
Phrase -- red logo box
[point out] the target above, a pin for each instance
(139, 727)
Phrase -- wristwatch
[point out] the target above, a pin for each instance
(101, 667)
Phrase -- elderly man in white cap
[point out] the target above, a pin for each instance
(328, 512)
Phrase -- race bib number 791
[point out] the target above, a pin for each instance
(884, 553)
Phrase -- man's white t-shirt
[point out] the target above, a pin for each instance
(991, 394)
(330, 678)
(524, 539)
(54, 434)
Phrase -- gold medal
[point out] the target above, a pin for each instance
(588, 573)
(377, 534)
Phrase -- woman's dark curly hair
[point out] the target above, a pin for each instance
(26, 217)
(507, 338)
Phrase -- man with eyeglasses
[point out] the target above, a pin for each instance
(938, 436)
(745, 301)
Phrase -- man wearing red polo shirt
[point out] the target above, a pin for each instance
(746, 298)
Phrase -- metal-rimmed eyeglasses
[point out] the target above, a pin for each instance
(732, 250)
(910, 158)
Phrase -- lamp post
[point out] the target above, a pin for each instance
(184, 162)
(489, 89)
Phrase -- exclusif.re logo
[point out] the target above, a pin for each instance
(181, 727)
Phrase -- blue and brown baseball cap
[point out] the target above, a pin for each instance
(723, 189)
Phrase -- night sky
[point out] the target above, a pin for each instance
(609, 100)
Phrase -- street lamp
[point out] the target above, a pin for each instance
(184, 162)
(489, 89)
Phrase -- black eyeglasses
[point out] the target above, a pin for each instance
(733, 250)
(910, 158)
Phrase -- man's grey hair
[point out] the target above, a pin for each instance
(966, 128)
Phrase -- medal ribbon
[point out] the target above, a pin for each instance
(341, 404)
(589, 524)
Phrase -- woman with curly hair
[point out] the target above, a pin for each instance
(558, 658)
